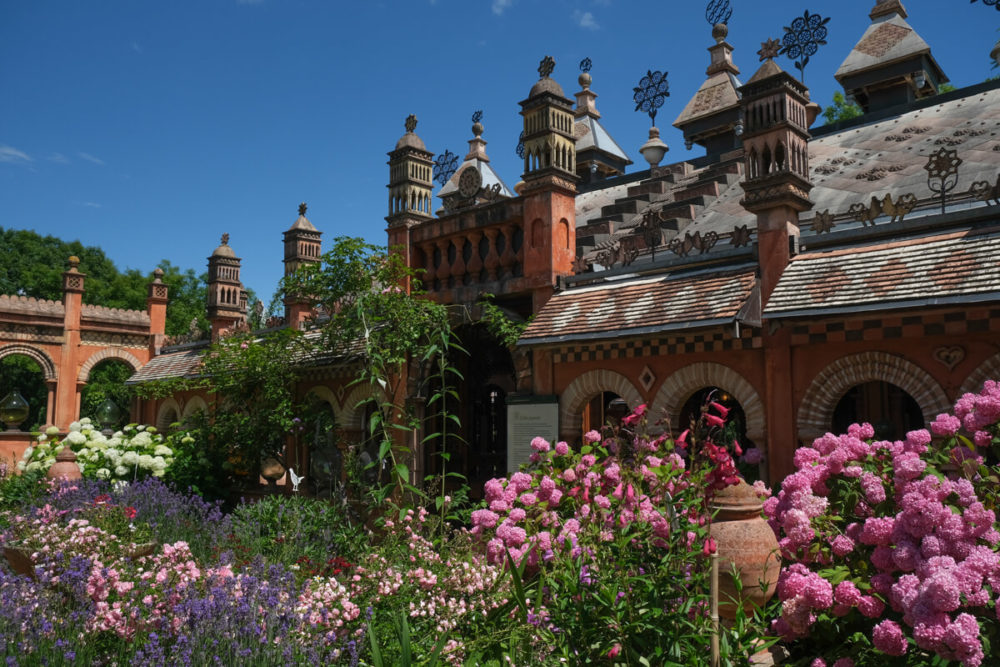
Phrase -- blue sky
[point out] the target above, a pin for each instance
(151, 128)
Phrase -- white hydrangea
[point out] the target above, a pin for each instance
(52, 430)
(162, 450)
(75, 427)
(85, 420)
(76, 438)
(142, 440)
(21, 465)
(130, 458)
(121, 471)
(146, 461)
(28, 452)
(158, 463)
(42, 438)
(140, 427)
(33, 466)
(103, 473)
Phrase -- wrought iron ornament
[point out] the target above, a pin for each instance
(411, 123)
(718, 11)
(803, 38)
(994, 3)
(942, 172)
(546, 66)
(651, 93)
(652, 232)
(302, 208)
(585, 65)
(520, 146)
(445, 166)
(477, 116)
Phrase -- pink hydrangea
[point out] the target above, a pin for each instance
(888, 637)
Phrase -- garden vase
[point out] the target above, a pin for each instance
(744, 541)
(65, 466)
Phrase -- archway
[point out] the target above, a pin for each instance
(168, 413)
(988, 370)
(833, 382)
(106, 381)
(677, 389)
(319, 435)
(735, 428)
(582, 390)
(23, 374)
(890, 410)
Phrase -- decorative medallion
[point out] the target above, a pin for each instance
(942, 172)
(646, 379)
(651, 93)
(477, 116)
(823, 222)
(803, 38)
(585, 65)
(520, 146)
(740, 238)
(546, 67)
(469, 182)
(770, 49)
(950, 356)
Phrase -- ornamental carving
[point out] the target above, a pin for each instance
(113, 340)
(984, 191)
(886, 206)
(950, 356)
(683, 247)
(823, 222)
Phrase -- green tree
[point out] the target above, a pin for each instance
(107, 381)
(840, 110)
(22, 374)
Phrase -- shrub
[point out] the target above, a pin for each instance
(893, 545)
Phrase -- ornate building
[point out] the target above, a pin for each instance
(808, 275)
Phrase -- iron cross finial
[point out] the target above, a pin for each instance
(225, 239)
(411, 123)
(302, 208)
(769, 49)
(546, 66)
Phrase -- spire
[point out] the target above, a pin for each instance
(227, 300)
(712, 117)
(475, 181)
(598, 155)
(891, 64)
(410, 172)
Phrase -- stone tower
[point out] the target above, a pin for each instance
(227, 300)
(598, 155)
(776, 115)
(549, 190)
(302, 247)
(411, 170)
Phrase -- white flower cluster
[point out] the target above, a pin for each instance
(133, 452)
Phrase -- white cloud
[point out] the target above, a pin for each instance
(91, 158)
(11, 154)
(585, 20)
(58, 158)
(499, 6)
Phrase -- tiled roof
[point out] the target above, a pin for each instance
(642, 305)
(184, 363)
(591, 134)
(951, 268)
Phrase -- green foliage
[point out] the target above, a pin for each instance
(840, 110)
(945, 88)
(500, 324)
(22, 374)
(311, 537)
(32, 265)
(198, 462)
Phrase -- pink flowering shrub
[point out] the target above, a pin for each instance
(895, 544)
(611, 539)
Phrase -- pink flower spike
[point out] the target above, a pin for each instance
(721, 409)
(712, 420)
(682, 440)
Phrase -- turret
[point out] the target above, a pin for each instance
(227, 300)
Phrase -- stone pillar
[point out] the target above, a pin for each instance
(67, 403)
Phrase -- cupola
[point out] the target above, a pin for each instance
(227, 300)
(410, 171)
(598, 156)
(549, 134)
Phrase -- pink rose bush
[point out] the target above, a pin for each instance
(895, 544)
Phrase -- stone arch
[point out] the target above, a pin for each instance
(353, 414)
(988, 370)
(826, 390)
(193, 405)
(168, 413)
(324, 394)
(38, 356)
(679, 387)
(584, 388)
(106, 353)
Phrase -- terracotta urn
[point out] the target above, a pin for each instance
(65, 466)
(744, 540)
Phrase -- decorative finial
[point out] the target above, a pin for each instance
(74, 261)
(942, 167)
(546, 66)
(769, 50)
(225, 239)
(803, 38)
(302, 208)
(585, 65)
(718, 11)
(651, 93)
(520, 146)
(477, 116)
(994, 3)
(157, 273)
(477, 127)
(411, 123)
(445, 165)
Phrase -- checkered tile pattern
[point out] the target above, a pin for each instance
(954, 323)
(708, 342)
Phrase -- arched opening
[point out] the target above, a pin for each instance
(477, 447)
(107, 381)
(889, 409)
(604, 409)
(735, 428)
(21, 373)
(320, 438)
